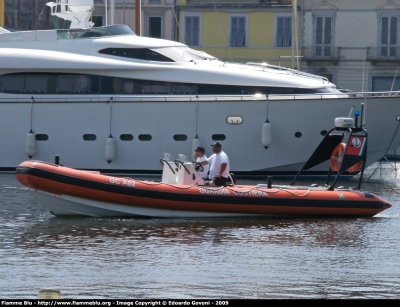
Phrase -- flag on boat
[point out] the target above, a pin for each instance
(356, 145)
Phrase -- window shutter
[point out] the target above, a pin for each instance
(192, 31)
(385, 27)
(318, 36)
(287, 38)
(241, 32)
(393, 30)
(196, 31)
(328, 30)
(279, 31)
(234, 30)
(188, 31)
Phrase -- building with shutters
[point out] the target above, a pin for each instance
(355, 44)
(158, 16)
(238, 30)
(27, 15)
(157, 19)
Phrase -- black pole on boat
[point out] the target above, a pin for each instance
(269, 181)
(57, 160)
(362, 113)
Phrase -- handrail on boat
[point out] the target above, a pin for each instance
(195, 98)
(293, 71)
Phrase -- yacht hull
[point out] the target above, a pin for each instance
(155, 123)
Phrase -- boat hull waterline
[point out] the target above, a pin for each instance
(66, 192)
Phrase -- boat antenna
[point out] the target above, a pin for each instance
(110, 101)
(222, 29)
(197, 114)
(351, 111)
(394, 79)
(362, 114)
(362, 85)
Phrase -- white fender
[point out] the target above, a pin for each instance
(30, 144)
(195, 143)
(266, 136)
(110, 149)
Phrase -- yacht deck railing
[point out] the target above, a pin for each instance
(193, 98)
(293, 71)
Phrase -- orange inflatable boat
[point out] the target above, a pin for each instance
(182, 193)
(67, 191)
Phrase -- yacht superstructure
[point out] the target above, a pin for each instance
(106, 99)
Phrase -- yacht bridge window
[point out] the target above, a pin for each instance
(137, 53)
(162, 54)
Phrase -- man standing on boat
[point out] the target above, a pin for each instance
(199, 157)
(219, 166)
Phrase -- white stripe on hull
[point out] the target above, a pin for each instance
(66, 205)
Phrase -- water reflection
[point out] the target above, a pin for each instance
(58, 233)
(198, 258)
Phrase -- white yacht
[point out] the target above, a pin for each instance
(105, 99)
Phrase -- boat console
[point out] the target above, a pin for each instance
(179, 172)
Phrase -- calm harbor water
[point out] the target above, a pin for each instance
(200, 258)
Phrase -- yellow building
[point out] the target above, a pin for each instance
(2, 13)
(239, 30)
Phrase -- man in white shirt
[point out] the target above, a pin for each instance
(199, 157)
(219, 166)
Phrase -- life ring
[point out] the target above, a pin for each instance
(337, 157)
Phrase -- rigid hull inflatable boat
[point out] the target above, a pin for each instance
(182, 193)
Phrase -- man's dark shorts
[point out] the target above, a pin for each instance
(220, 181)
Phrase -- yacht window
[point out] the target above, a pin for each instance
(184, 54)
(178, 88)
(82, 84)
(65, 84)
(136, 53)
(76, 84)
(145, 137)
(89, 137)
(164, 54)
(41, 137)
(157, 88)
(12, 83)
(180, 137)
(36, 83)
(126, 137)
(234, 120)
(218, 137)
(128, 87)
